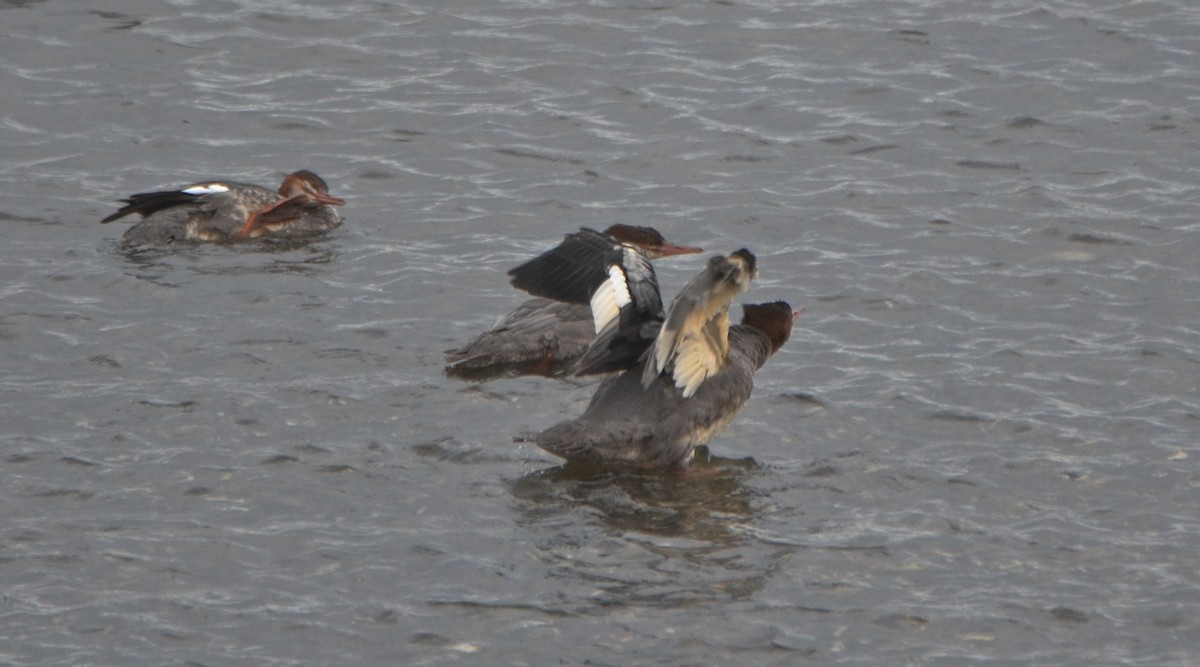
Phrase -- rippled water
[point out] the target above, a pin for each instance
(980, 446)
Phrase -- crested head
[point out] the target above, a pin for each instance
(639, 236)
(648, 240)
(305, 182)
(773, 319)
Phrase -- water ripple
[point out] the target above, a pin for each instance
(978, 444)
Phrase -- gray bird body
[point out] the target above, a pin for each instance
(541, 336)
(218, 211)
(656, 425)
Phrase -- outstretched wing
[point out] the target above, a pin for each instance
(693, 342)
(569, 272)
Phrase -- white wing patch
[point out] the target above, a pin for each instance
(206, 189)
(609, 298)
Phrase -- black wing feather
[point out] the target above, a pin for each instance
(149, 203)
(570, 271)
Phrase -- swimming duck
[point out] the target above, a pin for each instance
(547, 334)
(690, 382)
(222, 211)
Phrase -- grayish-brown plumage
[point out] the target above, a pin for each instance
(221, 211)
(631, 422)
(547, 335)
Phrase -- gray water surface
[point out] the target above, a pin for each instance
(980, 446)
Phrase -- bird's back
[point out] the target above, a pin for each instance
(537, 329)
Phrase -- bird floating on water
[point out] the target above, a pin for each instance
(547, 334)
(224, 211)
(686, 373)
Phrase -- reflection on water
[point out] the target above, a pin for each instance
(161, 265)
(683, 527)
(699, 502)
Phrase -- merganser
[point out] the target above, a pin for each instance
(547, 334)
(655, 424)
(687, 373)
(230, 211)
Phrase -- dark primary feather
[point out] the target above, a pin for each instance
(149, 203)
(568, 272)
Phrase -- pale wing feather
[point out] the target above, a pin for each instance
(623, 306)
(687, 332)
(701, 353)
(609, 298)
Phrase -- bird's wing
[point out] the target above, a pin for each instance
(570, 271)
(693, 342)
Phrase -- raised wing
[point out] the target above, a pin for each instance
(626, 311)
(569, 272)
(693, 342)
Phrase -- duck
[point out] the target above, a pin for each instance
(547, 334)
(693, 377)
(229, 211)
